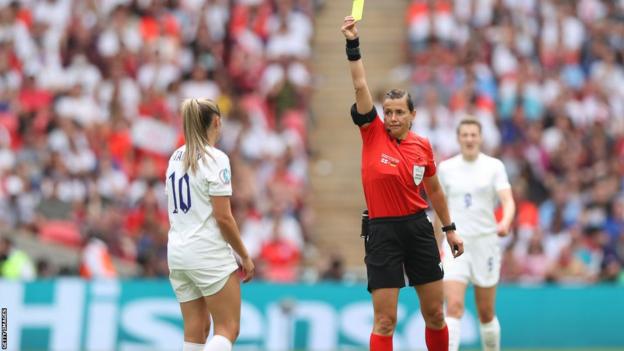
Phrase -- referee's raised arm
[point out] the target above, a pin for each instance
(363, 98)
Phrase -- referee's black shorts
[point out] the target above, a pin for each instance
(401, 246)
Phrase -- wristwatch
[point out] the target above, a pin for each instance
(449, 227)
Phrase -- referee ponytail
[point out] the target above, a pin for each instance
(197, 117)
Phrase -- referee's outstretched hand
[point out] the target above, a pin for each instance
(348, 28)
(456, 243)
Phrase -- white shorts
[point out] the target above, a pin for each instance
(479, 264)
(191, 284)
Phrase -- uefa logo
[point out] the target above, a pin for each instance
(225, 176)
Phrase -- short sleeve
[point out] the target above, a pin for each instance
(442, 171)
(501, 181)
(431, 168)
(373, 129)
(370, 116)
(218, 174)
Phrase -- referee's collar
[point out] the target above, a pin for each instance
(408, 136)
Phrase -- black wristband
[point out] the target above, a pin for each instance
(353, 43)
(449, 227)
(353, 54)
(353, 49)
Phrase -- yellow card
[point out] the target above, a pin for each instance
(358, 9)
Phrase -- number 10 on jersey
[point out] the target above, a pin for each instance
(183, 182)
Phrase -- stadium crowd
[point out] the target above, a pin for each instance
(90, 90)
(89, 113)
(546, 80)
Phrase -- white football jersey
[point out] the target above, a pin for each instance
(195, 240)
(471, 190)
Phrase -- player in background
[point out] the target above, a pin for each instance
(399, 241)
(203, 233)
(472, 183)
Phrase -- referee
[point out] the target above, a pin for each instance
(400, 240)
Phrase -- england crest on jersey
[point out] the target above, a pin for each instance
(418, 173)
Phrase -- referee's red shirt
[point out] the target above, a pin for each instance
(392, 172)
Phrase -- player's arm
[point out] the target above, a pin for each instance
(363, 98)
(226, 222)
(509, 210)
(437, 223)
(438, 201)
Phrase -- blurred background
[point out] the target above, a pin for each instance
(89, 114)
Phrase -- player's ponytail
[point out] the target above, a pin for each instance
(197, 118)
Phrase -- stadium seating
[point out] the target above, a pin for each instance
(88, 87)
(544, 78)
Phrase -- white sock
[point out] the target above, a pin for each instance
(454, 332)
(218, 343)
(191, 346)
(490, 335)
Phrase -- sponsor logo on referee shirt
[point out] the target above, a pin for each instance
(389, 160)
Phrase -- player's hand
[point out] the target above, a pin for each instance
(455, 242)
(248, 268)
(502, 229)
(348, 28)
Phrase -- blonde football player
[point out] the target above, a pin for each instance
(203, 233)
